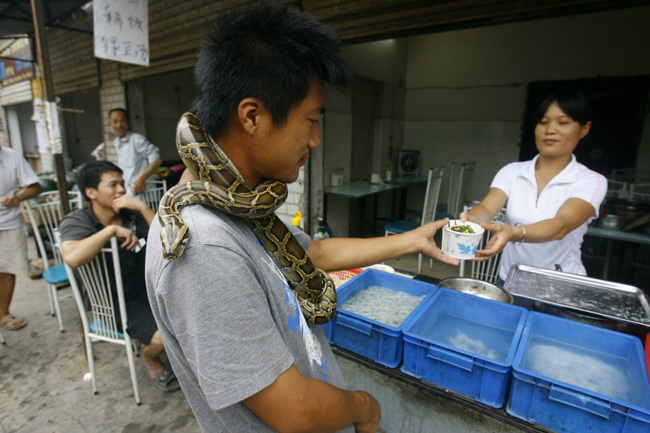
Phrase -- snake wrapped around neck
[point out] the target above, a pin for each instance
(221, 186)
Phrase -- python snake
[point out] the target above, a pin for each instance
(221, 186)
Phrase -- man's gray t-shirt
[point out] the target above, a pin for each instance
(229, 321)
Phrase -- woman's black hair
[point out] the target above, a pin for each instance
(574, 104)
(266, 51)
(91, 175)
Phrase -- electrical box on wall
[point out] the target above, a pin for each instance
(408, 163)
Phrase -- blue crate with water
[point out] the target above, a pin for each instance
(365, 336)
(464, 343)
(573, 378)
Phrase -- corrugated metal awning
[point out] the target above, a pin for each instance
(16, 93)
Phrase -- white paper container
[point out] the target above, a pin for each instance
(461, 245)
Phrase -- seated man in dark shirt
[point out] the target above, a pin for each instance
(86, 231)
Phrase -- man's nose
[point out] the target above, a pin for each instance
(314, 140)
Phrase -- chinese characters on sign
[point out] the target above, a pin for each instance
(122, 30)
(15, 61)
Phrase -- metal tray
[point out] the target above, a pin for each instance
(589, 295)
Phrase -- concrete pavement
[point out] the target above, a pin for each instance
(41, 377)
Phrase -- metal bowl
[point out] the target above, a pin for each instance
(479, 288)
(610, 222)
(627, 209)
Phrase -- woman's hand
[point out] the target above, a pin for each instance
(464, 217)
(502, 234)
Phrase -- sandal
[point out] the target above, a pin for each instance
(12, 323)
(166, 381)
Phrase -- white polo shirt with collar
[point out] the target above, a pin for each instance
(134, 154)
(518, 182)
(14, 171)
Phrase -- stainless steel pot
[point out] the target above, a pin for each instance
(611, 222)
(627, 210)
(479, 288)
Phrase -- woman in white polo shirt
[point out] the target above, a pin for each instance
(550, 200)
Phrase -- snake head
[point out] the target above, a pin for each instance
(174, 239)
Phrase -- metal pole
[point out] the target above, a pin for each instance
(48, 94)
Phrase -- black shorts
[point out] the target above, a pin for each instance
(142, 324)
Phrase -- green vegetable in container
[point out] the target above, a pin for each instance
(463, 229)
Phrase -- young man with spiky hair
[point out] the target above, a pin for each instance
(246, 358)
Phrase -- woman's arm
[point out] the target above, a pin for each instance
(345, 253)
(483, 213)
(572, 214)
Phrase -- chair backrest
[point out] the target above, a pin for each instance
(96, 278)
(153, 193)
(450, 195)
(433, 193)
(500, 217)
(487, 270)
(630, 175)
(617, 189)
(458, 185)
(639, 191)
(46, 210)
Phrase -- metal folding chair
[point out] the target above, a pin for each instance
(487, 270)
(100, 323)
(429, 211)
(46, 211)
(639, 191)
(617, 189)
(154, 191)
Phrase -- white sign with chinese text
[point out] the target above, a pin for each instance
(122, 30)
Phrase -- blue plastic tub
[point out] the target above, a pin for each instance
(464, 343)
(575, 378)
(380, 342)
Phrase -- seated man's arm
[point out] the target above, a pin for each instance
(134, 204)
(78, 253)
(295, 403)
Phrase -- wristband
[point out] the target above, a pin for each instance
(523, 238)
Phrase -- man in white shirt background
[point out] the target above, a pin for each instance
(15, 172)
(136, 156)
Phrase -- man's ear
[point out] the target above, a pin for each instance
(249, 112)
(90, 193)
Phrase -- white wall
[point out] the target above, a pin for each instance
(460, 95)
(599, 44)
(383, 61)
(466, 89)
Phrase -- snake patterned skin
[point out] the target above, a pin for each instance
(222, 187)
